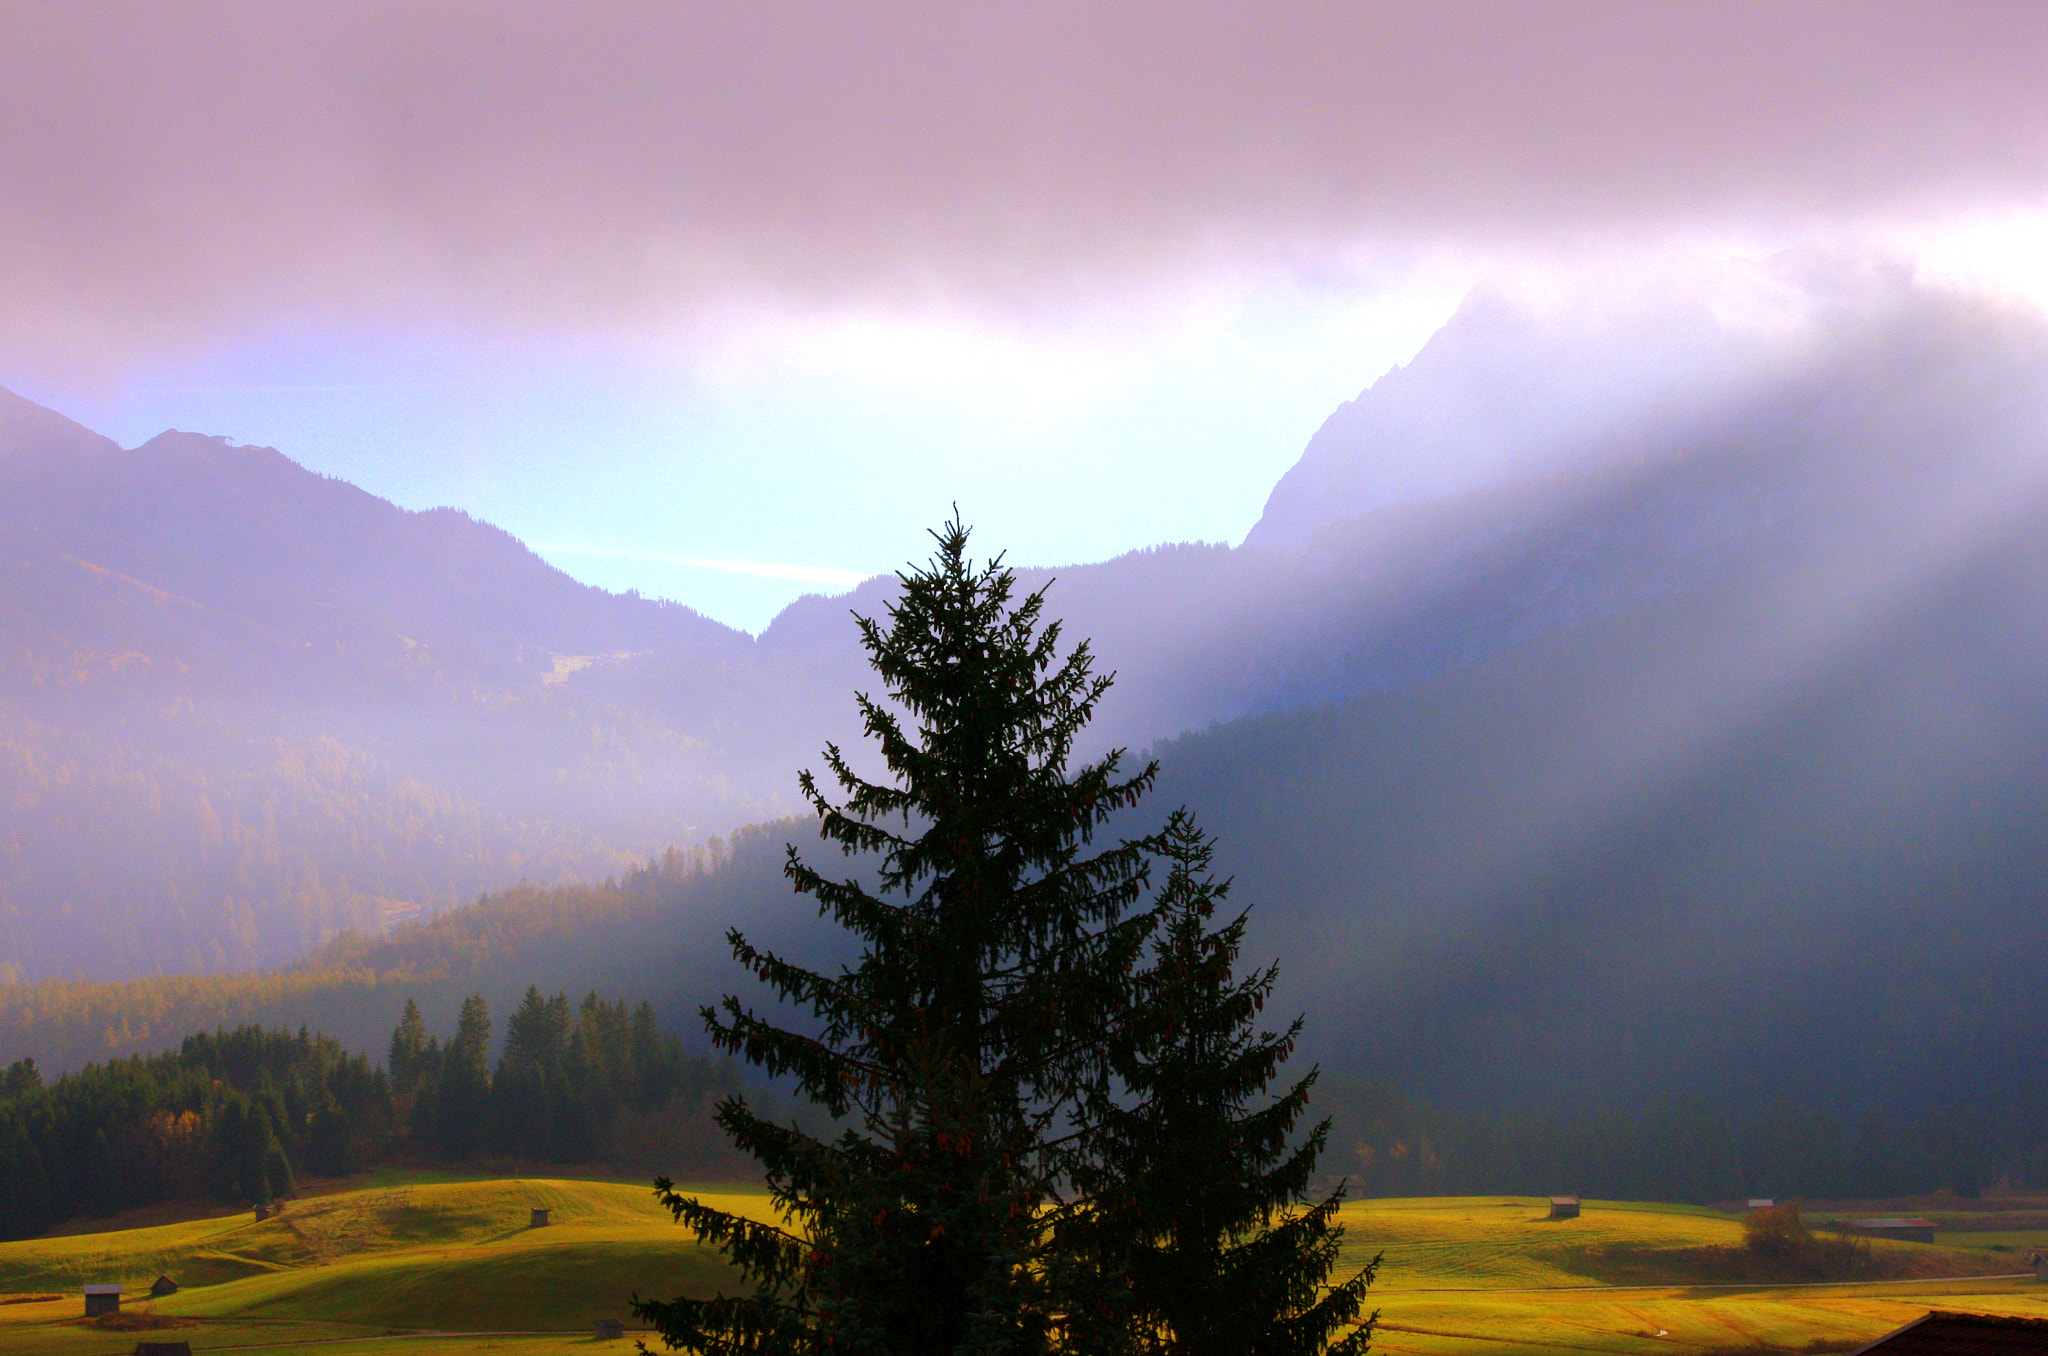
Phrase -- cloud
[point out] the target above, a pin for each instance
(179, 174)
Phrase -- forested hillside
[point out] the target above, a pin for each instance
(239, 1115)
(654, 932)
(1606, 868)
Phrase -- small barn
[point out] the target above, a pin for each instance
(1564, 1207)
(102, 1299)
(1761, 1203)
(539, 1219)
(161, 1286)
(2040, 1265)
(1905, 1230)
(610, 1329)
(1946, 1334)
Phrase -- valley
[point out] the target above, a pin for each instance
(1588, 815)
(431, 1263)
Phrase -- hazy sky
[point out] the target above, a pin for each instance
(656, 285)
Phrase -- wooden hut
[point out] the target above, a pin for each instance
(161, 1286)
(102, 1299)
(163, 1349)
(1564, 1207)
(2040, 1264)
(1945, 1334)
(610, 1329)
(539, 1219)
(1761, 1203)
(1905, 1230)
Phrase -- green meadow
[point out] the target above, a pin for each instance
(404, 1267)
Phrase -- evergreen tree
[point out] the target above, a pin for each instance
(997, 943)
(331, 1149)
(1195, 1191)
(537, 1033)
(25, 1188)
(19, 1078)
(249, 1163)
(407, 1057)
(529, 1096)
(462, 1093)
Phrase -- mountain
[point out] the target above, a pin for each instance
(1706, 763)
(244, 707)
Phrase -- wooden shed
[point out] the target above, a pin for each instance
(539, 1219)
(102, 1299)
(161, 1286)
(610, 1329)
(1945, 1334)
(1761, 1203)
(1905, 1230)
(1564, 1207)
(2040, 1264)
(163, 1349)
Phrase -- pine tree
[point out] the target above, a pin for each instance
(20, 1078)
(407, 1058)
(956, 1050)
(462, 1093)
(528, 1095)
(1195, 1190)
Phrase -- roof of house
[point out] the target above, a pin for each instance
(1893, 1223)
(1564, 1200)
(1946, 1334)
(103, 1290)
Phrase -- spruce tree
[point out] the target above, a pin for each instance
(407, 1056)
(1195, 1191)
(956, 1051)
(463, 1091)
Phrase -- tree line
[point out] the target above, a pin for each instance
(240, 1115)
(597, 1082)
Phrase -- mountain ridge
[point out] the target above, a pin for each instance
(574, 731)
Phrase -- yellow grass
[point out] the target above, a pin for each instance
(1462, 1276)
(1495, 1275)
(434, 1255)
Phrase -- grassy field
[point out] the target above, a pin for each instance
(1494, 1275)
(405, 1267)
(396, 1257)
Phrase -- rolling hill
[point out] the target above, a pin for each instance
(417, 1266)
